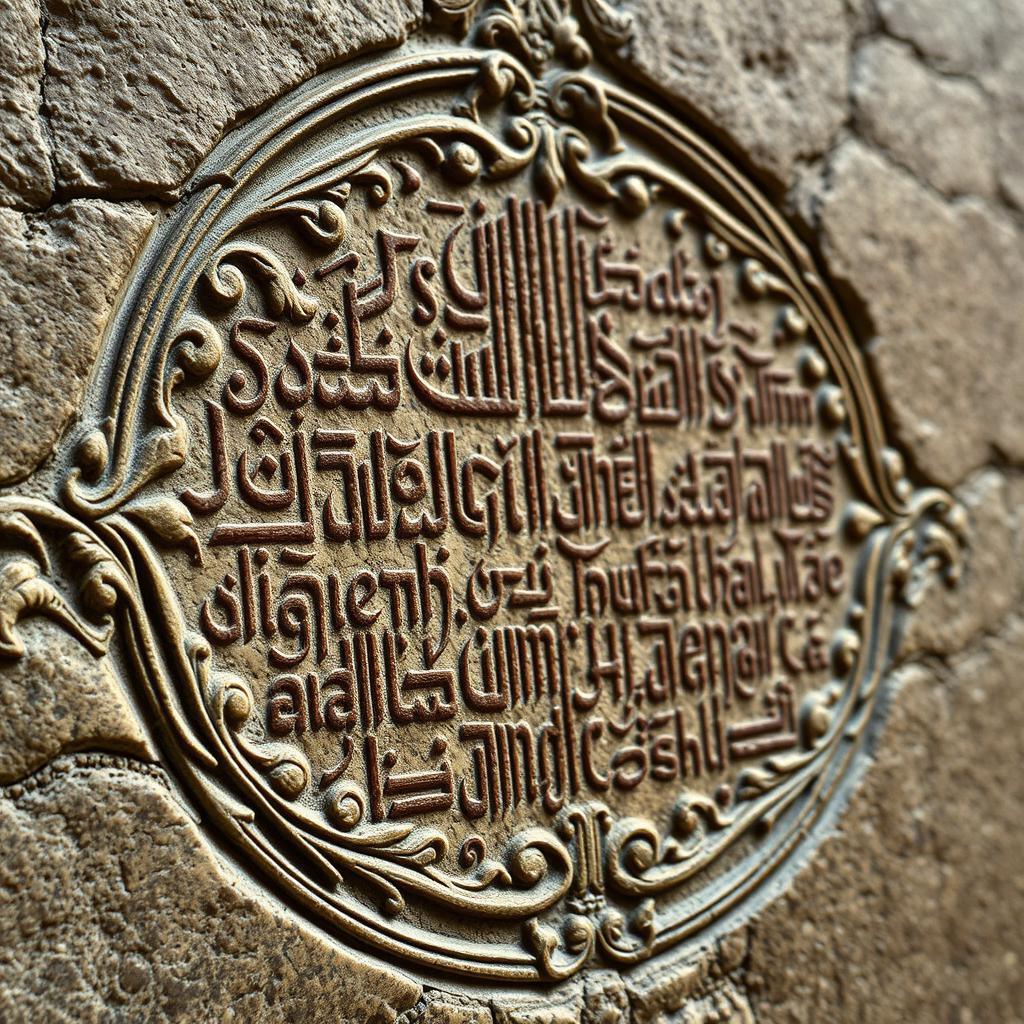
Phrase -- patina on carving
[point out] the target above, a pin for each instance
(488, 500)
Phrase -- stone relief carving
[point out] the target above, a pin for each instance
(487, 500)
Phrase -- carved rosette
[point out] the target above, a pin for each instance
(492, 245)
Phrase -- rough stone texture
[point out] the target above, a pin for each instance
(983, 42)
(55, 701)
(942, 285)
(709, 988)
(538, 1011)
(112, 908)
(445, 1008)
(1011, 154)
(1004, 79)
(605, 999)
(139, 92)
(26, 178)
(958, 38)
(993, 581)
(772, 77)
(936, 127)
(911, 912)
(60, 272)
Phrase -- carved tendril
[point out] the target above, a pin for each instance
(28, 586)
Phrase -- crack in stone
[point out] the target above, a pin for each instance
(879, 32)
(885, 32)
(45, 118)
(66, 764)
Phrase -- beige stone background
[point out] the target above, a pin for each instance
(892, 131)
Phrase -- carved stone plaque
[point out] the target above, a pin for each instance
(487, 500)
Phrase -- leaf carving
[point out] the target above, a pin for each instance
(560, 954)
(23, 592)
(225, 285)
(18, 526)
(170, 521)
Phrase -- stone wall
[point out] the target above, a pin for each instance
(892, 133)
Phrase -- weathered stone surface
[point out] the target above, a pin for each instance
(708, 987)
(992, 585)
(911, 912)
(942, 284)
(138, 93)
(1004, 80)
(59, 699)
(439, 1007)
(564, 1010)
(978, 43)
(112, 908)
(26, 178)
(113, 905)
(957, 38)
(60, 272)
(605, 1000)
(938, 128)
(1011, 155)
(772, 78)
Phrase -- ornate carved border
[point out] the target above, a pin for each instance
(528, 94)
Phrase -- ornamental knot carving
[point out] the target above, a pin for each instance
(554, 112)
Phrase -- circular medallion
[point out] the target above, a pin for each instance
(494, 509)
